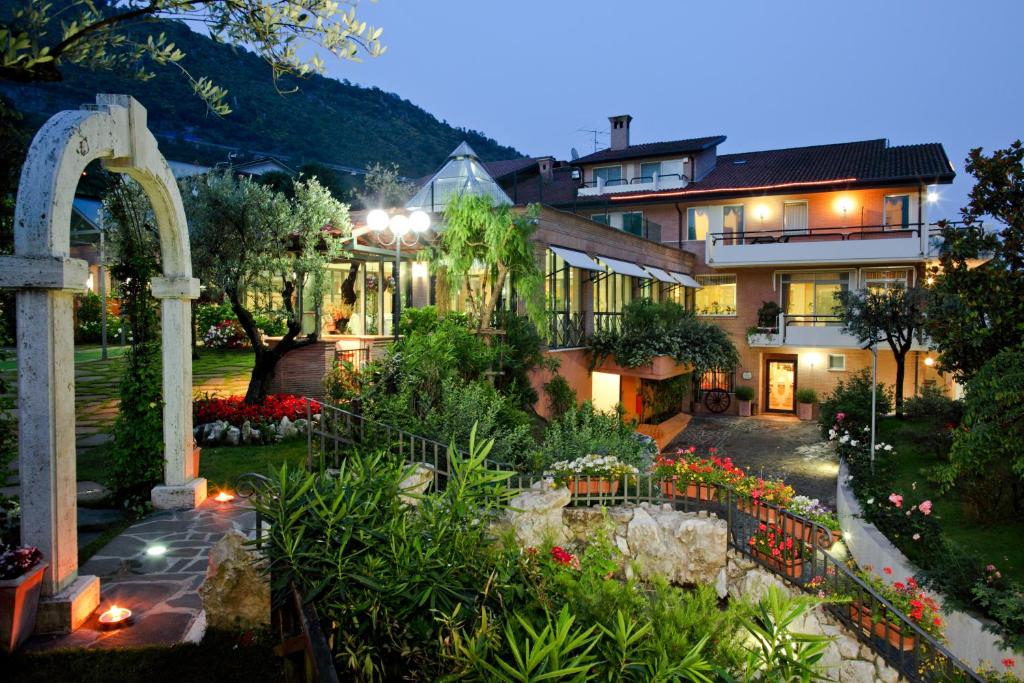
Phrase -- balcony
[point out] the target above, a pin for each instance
(565, 330)
(672, 181)
(821, 331)
(847, 245)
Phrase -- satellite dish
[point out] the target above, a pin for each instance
(574, 154)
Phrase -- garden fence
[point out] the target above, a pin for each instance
(902, 643)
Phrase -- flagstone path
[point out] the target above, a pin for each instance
(161, 590)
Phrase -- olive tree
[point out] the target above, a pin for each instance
(251, 241)
(39, 39)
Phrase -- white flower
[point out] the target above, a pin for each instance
(888, 447)
(917, 537)
(854, 442)
(870, 501)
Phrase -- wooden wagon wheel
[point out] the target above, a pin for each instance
(717, 400)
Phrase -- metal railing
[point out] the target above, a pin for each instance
(565, 330)
(637, 180)
(903, 644)
(357, 357)
(607, 321)
(813, 320)
(835, 233)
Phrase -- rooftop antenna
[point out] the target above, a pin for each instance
(574, 154)
(593, 132)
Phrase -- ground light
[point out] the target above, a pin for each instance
(156, 550)
(224, 497)
(115, 617)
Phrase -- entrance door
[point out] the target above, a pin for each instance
(780, 388)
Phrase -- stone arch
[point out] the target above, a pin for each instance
(46, 278)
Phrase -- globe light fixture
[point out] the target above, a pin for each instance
(929, 361)
(377, 220)
(419, 221)
(399, 224)
(933, 196)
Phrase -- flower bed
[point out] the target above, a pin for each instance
(591, 474)
(235, 411)
(227, 334)
(691, 476)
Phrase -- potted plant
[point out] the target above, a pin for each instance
(905, 596)
(744, 395)
(805, 400)
(690, 476)
(781, 552)
(591, 474)
(763, 498)
(805, 517)
(21, 579)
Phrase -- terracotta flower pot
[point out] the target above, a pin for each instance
(884, 629)
(759, 511)
(581, 486)
(693, 491)
(744, 408)
(793, 569)
(805, 411)
(196, 452)
(826, 538)
(19, 599)
(797, 528)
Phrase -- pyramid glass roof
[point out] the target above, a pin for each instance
(462, 173)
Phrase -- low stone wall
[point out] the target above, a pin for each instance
(967, 636)
(685, 548)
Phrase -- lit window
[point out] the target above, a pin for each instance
(717, 295)
(897, 211)
(627, 221)
(837, 362)
(884, 280)
(809, 298)
(697, 219)
(732, 220)
(672, 170)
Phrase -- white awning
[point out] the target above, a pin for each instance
(625, 268)
(661, 275)
(686, 280)
(577, 259)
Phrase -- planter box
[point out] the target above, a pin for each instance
(792, 569)
(805, 411)
(19, 599)
(759, 511)
(196, 452)
(582, 486)
(884, 629)
(797, 528)
(744, 408)
(671, 489)
(662, 367)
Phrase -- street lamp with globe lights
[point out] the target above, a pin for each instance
(405, 230)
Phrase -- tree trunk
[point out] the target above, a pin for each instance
(492, 300)
(901, 370)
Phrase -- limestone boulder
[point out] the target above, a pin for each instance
(233, 436)
(582, 523)
(535, 515)
(417, 481)
(856, 671)
(236, 592)
(286, 429)
(683, 547)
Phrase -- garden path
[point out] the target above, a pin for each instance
(160, 590)
(769, 446)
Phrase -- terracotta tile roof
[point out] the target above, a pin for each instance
(500, 169)
(652, 149)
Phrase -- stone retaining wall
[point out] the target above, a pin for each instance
(967, 635)
(686, 548)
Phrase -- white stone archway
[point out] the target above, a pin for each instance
(46, 279)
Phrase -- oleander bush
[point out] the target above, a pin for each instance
(852, 398)
(583, 430)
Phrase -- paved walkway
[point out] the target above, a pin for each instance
(769, 446)
(160, 590)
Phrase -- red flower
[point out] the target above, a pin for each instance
(1009, 663)
(887, 570)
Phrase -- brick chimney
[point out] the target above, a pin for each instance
(620, 130)
(546, 165)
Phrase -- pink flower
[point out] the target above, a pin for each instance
(896, 499)
(840, 416)
(887, 570)
(1009, 663)
(926, 508)
(990, 568)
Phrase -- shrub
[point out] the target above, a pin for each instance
(806, 395)
(561, 396)
(235, 411)
(663, 398)
(768, 315)
(343, 383)
(933, 406)
(226, 335)
(745, 392)
(986, 461)
(665, 329)
(583, 431)
(8, 423)
(137, 452)
(210, 315)
(853, 399)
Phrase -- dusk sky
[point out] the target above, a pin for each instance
(766, 74)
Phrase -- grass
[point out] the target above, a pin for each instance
(221, 657)
(83, 354)
(998, 544)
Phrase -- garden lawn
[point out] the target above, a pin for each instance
(221, 465)
(998, 544)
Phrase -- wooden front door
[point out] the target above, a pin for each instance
(780, 384)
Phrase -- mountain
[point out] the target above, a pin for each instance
(324, 120)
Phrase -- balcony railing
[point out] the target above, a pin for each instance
(868, 243)
(647, 229)
(565, 330)
(669, 181)
(607, 321)
(822, 331)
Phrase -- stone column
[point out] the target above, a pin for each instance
(182, 488)
(46, 432)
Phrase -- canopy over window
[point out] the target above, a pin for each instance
(661, 275)
(577, 259)
(625, 268)
(686, 280)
